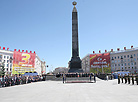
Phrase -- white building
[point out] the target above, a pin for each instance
(124, 60)
(6, 58)
(86, 63)
(60, 70)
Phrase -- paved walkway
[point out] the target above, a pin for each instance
(56, 91)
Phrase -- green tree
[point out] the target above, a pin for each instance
(2, 70)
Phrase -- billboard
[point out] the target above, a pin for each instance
(99, 60)
(23, 62)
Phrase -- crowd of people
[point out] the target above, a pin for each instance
(7, 81)
(128, 79)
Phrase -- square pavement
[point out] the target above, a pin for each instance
(56, 91)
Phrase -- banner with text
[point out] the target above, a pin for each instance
(99, 60)
(23, 62)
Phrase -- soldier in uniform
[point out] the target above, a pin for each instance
(125, 78)
(132, 79)
(128, 77)
(137, 79)
(118, 78)
(122, 77)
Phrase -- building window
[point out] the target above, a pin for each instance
(135, 67)
(131, 56)
(7, 61)
(135, 63)
(128, 60)
(115, 57)
(10, 69)
(10, 65)
(122, 64)
(125, 56)
(4, 56)
(118, 57)
(0, 56)
(0, 61)
(7, 69)
(115, 64)
(118, 64)
(7, 57)
(7, 65)
(129, 64)
(137, 58)
(125, 64)
(115, 61)
(132, 67)
(134, 59)
(128, 67)
(125, 67)
(132, 63)
(4, 61)
(112, 61)
(121, 57)
(128, 56)
(134, 55)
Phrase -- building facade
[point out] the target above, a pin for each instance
(120, 60)
(6, 60)
(86, 64)
(124, 60)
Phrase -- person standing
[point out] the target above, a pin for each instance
(137, 79)
(90, 77)
(125, 78)
(122, 77)
(118, 78)
(132, 79)
(94, 78)
(63, 78)
(128, 77)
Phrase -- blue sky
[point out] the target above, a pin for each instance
(45, 26)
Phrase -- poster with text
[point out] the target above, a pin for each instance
(23, 62)
(99, 60)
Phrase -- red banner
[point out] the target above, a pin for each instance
(23, 62)
(98, 60)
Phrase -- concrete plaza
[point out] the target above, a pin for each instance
(56, 91)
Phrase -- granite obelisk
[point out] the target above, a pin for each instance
(75, 63)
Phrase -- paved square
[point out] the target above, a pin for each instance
(56, 91)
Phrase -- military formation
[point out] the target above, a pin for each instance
(128, 79)
(8, 81)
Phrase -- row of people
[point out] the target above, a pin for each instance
(18, 80)
(128, 78)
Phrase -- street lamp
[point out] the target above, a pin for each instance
(102, 65)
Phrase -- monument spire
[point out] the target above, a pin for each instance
(75, 63)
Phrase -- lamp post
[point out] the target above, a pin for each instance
(102, 65)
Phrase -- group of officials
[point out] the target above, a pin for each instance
(90, 75)
(18, 80)
(128, 79)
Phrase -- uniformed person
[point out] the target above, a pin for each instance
(132, 79)
(122, 77)
(118, 78)
(125, 78)
(137, 79)
(128, 77)
(90, 77)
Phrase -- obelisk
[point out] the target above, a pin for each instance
(75, 63)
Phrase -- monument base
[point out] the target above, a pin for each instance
(75, 71)
(75, 65)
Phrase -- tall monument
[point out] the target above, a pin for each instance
(75, 63)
